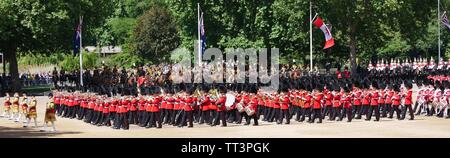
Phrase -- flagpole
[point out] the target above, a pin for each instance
(81, 51)
(199, 38)
(439, 29)
(310, 36)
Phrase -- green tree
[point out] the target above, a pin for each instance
(37, 26)
(156, 35)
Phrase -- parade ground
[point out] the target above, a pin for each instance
(421, 127)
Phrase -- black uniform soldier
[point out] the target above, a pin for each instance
(55, 78)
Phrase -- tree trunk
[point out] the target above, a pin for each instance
(13, 68)
(353, 49)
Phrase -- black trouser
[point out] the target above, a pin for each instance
(274, 114)
(239, 116)
(327, 112)
(266, 113)
(98, 118)
(197, 112)
(357, 112)
(74, 110)
(167, 116)
(122, 121)
(187, 117)
(259, 111)
(153, 120)
(298, 113)
(384, 110)
(231, 117)
(88, 117)
(306, 111)
(411, 112)
(57, 108)
(396, 110)
(448, 113)
(317, 114)
(365, 109)
(336, 113)
(177, 117)
(112, 116)
(377, 113)
(140, 117)
(220, 117)
(132, 117)
(388, 110)
(284, 113)
(106, 119)
(205, 117)
(65, 111)
(348, 112)
(82, 113)
(249, 118)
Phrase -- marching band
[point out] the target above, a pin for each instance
(388, 89)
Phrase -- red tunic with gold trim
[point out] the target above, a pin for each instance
(317, 100)
(188, 104)
(285, 103)
(205, 103)
(374, 98)
(337, 100)
(308, 99)
(408, 97)
(221, 103)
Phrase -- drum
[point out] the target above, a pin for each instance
(249, 111)
(230, 101)
(240, 107)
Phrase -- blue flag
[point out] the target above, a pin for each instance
(445, 20)
(77, 40)
(202, 35)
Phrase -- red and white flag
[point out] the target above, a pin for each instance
(329, 39)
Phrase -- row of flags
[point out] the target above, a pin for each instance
(318, 22)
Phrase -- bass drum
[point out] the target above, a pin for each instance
(230, 101)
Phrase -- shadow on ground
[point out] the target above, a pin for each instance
(7, 132)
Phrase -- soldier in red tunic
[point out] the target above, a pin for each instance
(306, 109)
(347, 106)
(188, 104)
(155, 115)
(408, 102)
(388, 101)
(141, 111)
(395, 104)
(204, 105)
(328, 96)
(253, 105)
(336, 105)
(221, 109)
(284, 113)
(106, 117)
(132, 111)
(374, 97)
(317, 105)
(169, 109)
(356, 96)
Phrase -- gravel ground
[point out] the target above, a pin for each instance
(421, 127)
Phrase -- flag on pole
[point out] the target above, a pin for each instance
(328, 37)
(77, 39)
(444, 20)
(202, 34)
